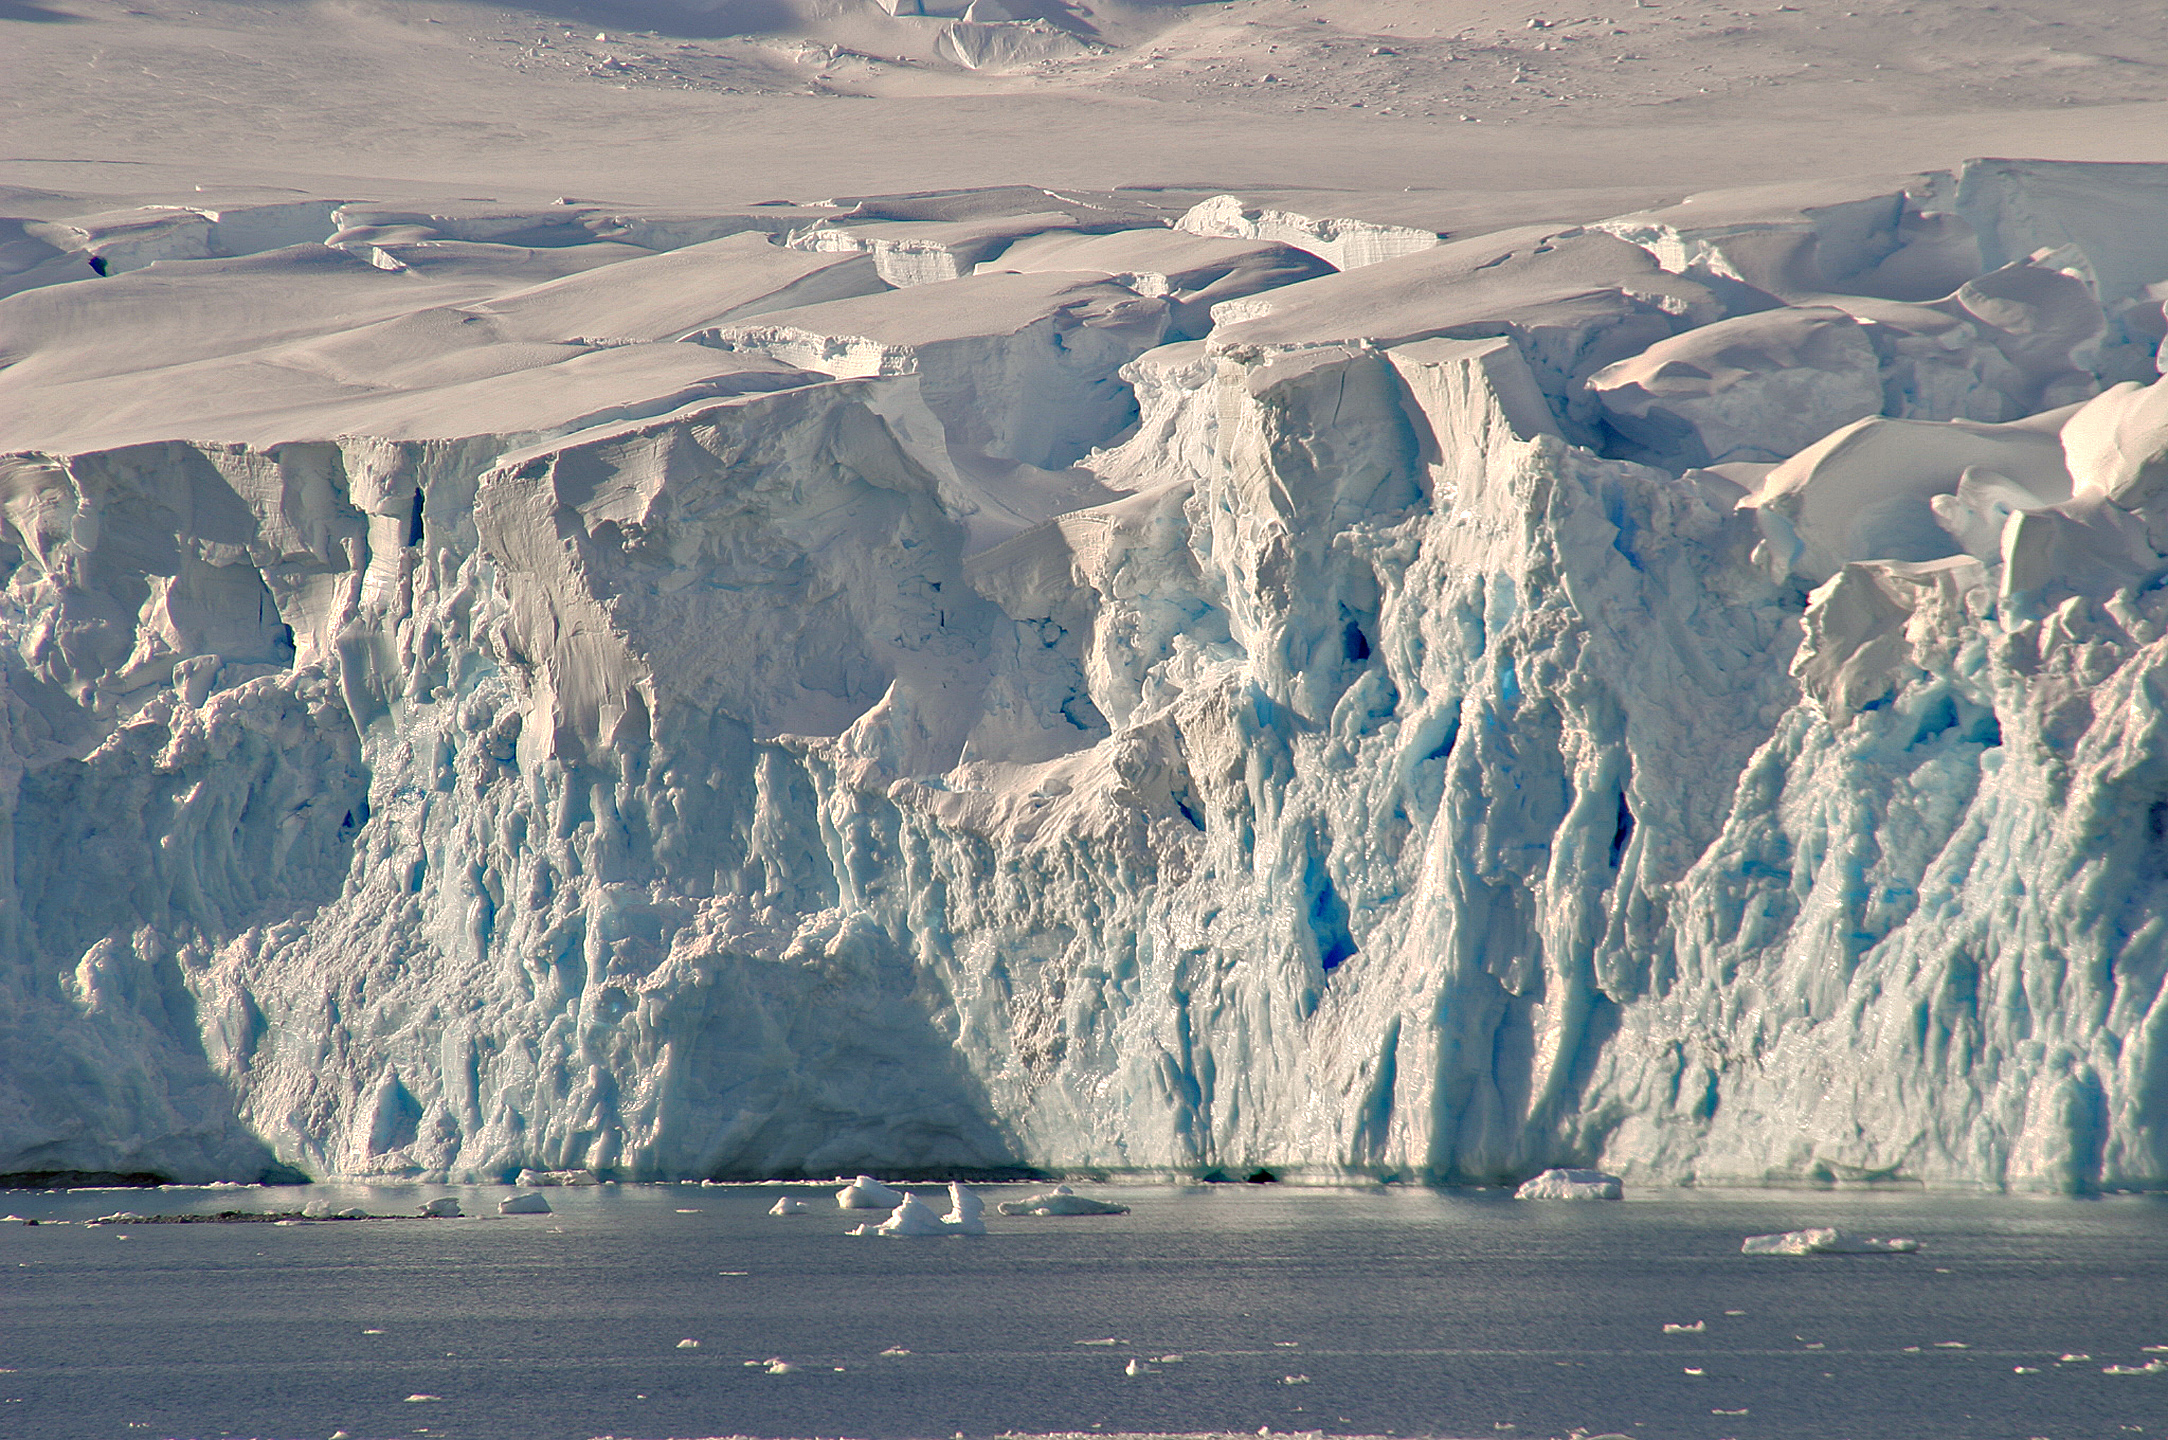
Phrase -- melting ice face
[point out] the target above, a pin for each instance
(1032, 678)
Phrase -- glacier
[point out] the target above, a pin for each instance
(1023, 681)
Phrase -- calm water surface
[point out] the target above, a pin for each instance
(1401, 1311)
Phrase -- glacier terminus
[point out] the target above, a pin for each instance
(1027, 680)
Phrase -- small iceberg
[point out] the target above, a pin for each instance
(1572, 1185)
(788, 1206)
(914, 1217)
(1825, 1241)
(867, 1193)
(530, 1178)
(443, 1208)
(966, 1214)
(1061, 1200)
(530, 1203)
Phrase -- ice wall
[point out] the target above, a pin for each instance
(1384, 753)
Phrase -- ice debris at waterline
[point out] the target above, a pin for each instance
(867, 1193)
(913, 1217)
(442, 1208)
(1680, 694)
(1572, 1185)
(966, 1212)
(788, 1206)
(1061, 1200)
(1825, 1242)
(527, 1204)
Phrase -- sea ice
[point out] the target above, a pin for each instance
(1825, 1242)
(913, 1218)
(966, 1212)
(1061, 1200)
(1571, 1185)
(867, 1193)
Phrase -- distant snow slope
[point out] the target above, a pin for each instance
(580, 688)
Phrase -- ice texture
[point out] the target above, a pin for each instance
(866, 1193)
(1823, 1241)
(1061, 1200)
(913, 1219)
(456, 729)
(1571, 1185)
(530, 1203)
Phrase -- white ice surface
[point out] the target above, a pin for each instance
(1825, 1241)
(1571, 1185)
(867, 1193)
(447, 748)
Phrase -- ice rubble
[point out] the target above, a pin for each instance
(1416, 725)
(1061, 1200)
(1824, 1241)
(867, 1193)
(1571, 1185)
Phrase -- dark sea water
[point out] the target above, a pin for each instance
(1390, 1311)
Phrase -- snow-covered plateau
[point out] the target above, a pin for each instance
(1036, 679)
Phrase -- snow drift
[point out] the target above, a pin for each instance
(1685, 695)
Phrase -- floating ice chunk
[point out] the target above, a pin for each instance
(1061, 1200)
(352, 1212)
(1133, 1368)
(444, 1207)
(2150, 1367)
(1825, 1241)
(688, 1344)
(966, 1213)
(2116, 445)
(1572, 1185)
(790, 1206)
(867, 1193)
(1699, 1327)
(317, 1210)
(914, 1218)
(1863, 492)
(528, 1204)
(531, 1178)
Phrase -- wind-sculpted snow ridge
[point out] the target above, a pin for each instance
(1684, 696)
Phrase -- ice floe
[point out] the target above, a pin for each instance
(1061, 1200)
(1825, 1241)
(1571, 1185)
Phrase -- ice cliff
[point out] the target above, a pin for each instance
(1011, 680)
